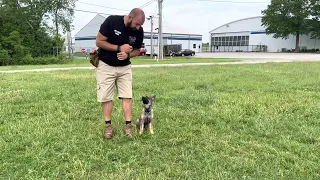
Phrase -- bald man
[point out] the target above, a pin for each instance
(119, 39)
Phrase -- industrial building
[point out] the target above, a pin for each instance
(249, 35)
(85, 38)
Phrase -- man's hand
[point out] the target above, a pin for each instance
(122, 55)
(126, 48)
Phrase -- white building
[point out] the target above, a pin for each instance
(85, 38)
(249, 35)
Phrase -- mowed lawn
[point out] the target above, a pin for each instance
(257, 121)
(81, 62)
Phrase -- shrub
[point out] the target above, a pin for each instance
(45, 60)
(4, 58)
(61, 59)
(27, 59)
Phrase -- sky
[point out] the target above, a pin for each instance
(196, 16)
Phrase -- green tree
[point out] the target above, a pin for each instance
(63, 14)
(25, 32)
(13, 46)
(315, 19)
(287, 17)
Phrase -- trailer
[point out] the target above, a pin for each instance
(168, 49)
(171, 49)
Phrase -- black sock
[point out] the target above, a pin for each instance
(128, 122)
(108, 122)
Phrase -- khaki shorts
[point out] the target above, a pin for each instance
(111, 78)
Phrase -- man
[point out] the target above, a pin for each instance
(119, 39)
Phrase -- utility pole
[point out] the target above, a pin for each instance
(151, 39)
(69, 44)
(160, 38)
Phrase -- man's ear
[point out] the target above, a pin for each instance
(153, 98)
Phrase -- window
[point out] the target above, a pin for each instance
(230, 41)
(142, 46)
(194, 46)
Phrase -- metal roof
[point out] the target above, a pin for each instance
(236, 21)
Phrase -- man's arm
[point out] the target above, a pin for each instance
(102, 37)
(102, 43)
(135, 52)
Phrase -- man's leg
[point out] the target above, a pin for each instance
(107, 110)
(106, 77)
(124, 85)
(127, 108)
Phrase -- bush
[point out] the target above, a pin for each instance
(18, 49)
(4, 58)
(45, 60)
(61, 59)
(309, 50)
(27, 59)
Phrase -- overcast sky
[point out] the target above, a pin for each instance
(197, 16)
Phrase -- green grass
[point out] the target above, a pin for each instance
(137, 60)
(218, 122)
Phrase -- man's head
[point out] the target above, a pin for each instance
(135, 19)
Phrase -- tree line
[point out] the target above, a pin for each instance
(31, 29)
(292, 17)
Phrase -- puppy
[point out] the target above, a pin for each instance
(146, 117)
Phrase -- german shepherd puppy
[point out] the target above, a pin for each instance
(146, 117)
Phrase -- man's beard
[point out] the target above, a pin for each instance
(129, 24)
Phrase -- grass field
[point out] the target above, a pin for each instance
(219, 122)
(138, 60)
